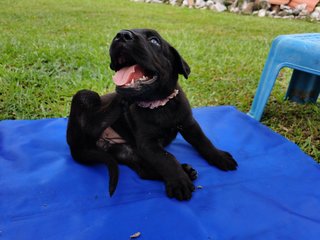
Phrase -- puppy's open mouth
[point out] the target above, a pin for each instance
(132, 77)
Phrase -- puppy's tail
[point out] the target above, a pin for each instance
(96, 156)
(113, 169)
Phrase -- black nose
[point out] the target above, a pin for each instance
(124, 35)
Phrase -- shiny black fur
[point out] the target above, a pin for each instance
(146, 131)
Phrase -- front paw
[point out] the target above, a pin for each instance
(180, 188)
(223, 160)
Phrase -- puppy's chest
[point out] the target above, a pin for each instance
(160, 118)
(158, 125)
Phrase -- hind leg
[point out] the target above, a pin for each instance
(91, 114)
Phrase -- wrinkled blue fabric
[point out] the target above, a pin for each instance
(44, 194)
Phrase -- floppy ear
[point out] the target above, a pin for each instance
(181, 65)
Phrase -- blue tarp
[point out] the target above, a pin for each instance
(44, 194)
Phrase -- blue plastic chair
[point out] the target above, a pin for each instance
(300, 52)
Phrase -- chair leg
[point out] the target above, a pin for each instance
(304, 87)
(267, 80)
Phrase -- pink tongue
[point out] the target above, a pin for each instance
(127, 74)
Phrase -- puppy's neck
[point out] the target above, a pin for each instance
(158, 103)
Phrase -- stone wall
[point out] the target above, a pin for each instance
(301, 9)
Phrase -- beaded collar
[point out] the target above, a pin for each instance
(158, 103)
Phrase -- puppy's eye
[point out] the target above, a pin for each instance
(155, 41)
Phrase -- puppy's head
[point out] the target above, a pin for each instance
(146, 66)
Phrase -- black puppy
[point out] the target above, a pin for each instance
(149, 108)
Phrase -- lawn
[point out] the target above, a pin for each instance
(52, 48)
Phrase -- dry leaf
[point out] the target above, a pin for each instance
(136, 235)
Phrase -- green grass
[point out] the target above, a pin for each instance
(52, 48)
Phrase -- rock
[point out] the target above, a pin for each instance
(228, 2)
(285, 13)
(262, 4)
(184, 3)
(234, 9)
(255, 13)
(248, 8)
(301, 17)
(234, 5)
(200, 4)
(296, 12)
(217, 6)
(272, 13)
(172, 2)
(288, 17)
(284, 7)
(304, 13)
(209, 3)
(301, 7)
(262, 13)
(275, 8)
(317, 8)
(298, 9)
(261, 8)
(315, 15)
